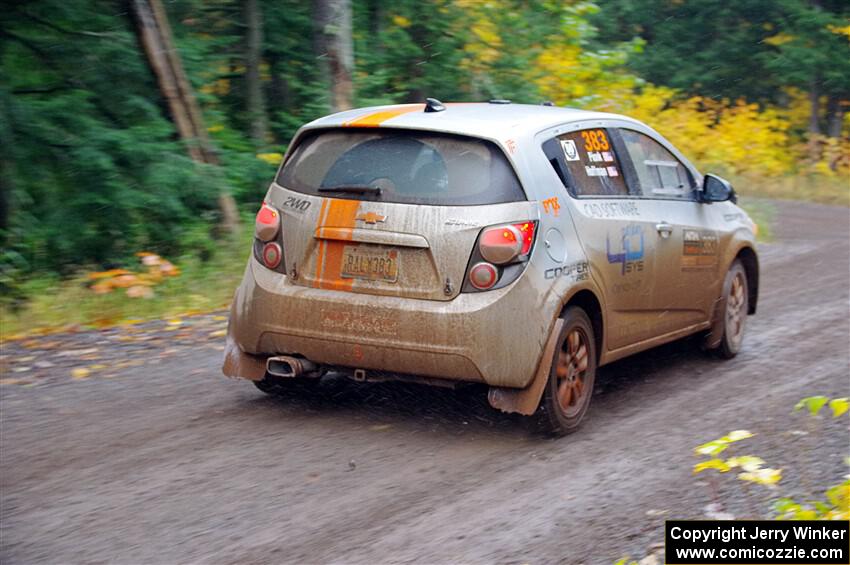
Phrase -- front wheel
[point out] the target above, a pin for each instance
(570, 387)
(735, 307)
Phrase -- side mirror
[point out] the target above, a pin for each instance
(716, 189)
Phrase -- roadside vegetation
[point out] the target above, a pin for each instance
(820, 416)
(102, 162)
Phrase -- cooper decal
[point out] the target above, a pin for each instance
(577, 271)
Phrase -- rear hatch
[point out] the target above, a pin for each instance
(391, 212)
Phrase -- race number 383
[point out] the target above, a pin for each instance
(595, 140)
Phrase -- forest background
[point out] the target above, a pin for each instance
(139, 130)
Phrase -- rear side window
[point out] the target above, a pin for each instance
(587, 163)
(408, 166)
(659, 174)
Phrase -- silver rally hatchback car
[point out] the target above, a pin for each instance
(517, 246)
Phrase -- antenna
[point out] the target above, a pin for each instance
(433, 105)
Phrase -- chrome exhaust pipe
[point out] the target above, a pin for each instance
(289, 367)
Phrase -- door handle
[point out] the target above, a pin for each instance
(664, 229)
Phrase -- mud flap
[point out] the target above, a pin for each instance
(715, 332)
(526, 400)
(237, 363)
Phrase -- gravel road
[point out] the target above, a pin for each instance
(137, 450)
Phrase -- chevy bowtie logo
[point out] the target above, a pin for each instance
(370, 218)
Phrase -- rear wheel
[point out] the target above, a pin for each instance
(277, 386)
(570, 387)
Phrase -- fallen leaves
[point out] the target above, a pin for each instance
(108, 352)
(137, 284)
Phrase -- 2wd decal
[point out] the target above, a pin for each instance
(296, 204)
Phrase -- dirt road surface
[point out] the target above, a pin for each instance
(130, 447)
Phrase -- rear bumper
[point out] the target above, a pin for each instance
(494, 337)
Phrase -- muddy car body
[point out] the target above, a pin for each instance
(511, 245)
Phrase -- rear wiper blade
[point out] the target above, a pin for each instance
(352, 188)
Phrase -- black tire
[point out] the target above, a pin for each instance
(278, 386)
(735, 305)
(569, 389)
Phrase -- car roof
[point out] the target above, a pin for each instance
(479, 119)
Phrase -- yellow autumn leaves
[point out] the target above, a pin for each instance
(137, 284)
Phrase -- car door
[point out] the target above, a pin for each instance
(687, 251)
(612, 225)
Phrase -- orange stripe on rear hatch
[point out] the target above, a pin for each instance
(320, 248)
(375, 119)
(340, 214)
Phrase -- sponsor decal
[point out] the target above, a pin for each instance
(360, 323)
(511, 145)
(296, 204)
(370, 217)
(611, 209)
(629, 253)
(462, 222)
(570, 150)
(699, 249)
(627, 287)
(578, 271)
(551, 205)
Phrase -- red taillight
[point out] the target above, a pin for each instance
(499, 256)
(503, 244)
(526, 229)
(267, 223)
(483, 276)
(272, 255)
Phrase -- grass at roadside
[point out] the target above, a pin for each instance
(822, 189)
(203, 286)
(763, 213)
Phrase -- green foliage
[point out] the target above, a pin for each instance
(749, 48)
(96, 174)
(92, 170)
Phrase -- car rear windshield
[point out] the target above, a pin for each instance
(407, 166)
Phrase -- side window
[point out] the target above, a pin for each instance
(659, 174)
(586, 162)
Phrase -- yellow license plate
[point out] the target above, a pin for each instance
(370, 264)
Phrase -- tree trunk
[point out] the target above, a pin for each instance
(814, 149)
(814, 108)
(279, 90)
(155, 36)
(333, 43)
(834, 116)
(254, 99)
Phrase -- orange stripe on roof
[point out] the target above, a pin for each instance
(375, 119)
